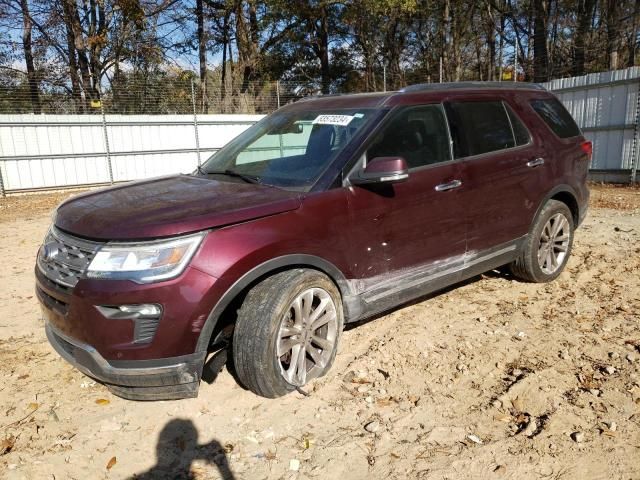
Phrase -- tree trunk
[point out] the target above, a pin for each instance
(223, 79)
(202, 56)
(76, 93)
(633, 43)
(81, 50)
(443, 45)
(32, 75)
(613, 33)
(585, 13)
(540, 55)
(323, 51)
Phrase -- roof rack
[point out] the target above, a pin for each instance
(419, 87)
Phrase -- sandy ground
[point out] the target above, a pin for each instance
(492, 379)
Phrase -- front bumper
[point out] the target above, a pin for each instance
(165, 379)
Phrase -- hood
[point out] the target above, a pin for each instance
(169, 206)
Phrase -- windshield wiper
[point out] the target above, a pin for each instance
(232, 173)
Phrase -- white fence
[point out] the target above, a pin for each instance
(53, 151)
(57, 151)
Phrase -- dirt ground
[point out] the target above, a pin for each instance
(492, 379)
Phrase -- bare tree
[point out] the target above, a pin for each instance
(32, 75)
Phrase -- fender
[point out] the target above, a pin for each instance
(296, 260)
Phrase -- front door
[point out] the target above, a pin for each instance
(406, 233)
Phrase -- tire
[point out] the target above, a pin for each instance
(272, 320)
(532, 268)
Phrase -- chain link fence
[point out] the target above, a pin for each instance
(171, 96)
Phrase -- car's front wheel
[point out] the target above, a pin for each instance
(548, 245)
(287, 332)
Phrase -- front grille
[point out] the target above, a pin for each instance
(63, 259)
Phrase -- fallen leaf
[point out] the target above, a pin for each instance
(103, 401)
(33, 406)
(360, 381)
(111, 463)
(517, 404)
(503, 418)
(306, 441)
(7, 444)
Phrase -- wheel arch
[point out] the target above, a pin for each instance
(565, 194)
(239, 288)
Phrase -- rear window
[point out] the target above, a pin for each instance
(479, 127)
(556, 116)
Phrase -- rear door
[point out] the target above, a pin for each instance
(503, 172)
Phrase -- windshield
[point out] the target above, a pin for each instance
(288, 149)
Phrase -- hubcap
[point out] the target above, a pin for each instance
(307, 336)
(554, 243)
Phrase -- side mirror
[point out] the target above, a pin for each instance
(382, 170)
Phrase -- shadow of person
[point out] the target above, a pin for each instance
(177, 449)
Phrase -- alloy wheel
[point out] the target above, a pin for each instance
(554, 243)
(307, 336)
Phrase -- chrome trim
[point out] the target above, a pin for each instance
(443, 187)
(535, 162)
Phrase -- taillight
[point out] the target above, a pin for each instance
(587, 147)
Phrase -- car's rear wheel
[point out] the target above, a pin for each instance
(287, 332)
(548, 245)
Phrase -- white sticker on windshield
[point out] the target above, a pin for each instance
(341, 120)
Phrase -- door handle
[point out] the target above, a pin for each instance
(535, 162)
(443, 187)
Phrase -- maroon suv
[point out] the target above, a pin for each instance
(328, 211)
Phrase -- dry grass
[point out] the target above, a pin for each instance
(617, 197)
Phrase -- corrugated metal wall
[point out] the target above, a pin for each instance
(605, 105)
(47, 151)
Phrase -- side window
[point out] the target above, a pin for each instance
(418, 134)
(479, 127)
(556, 116)
(520, 132)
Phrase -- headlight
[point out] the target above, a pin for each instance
(145, 262)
